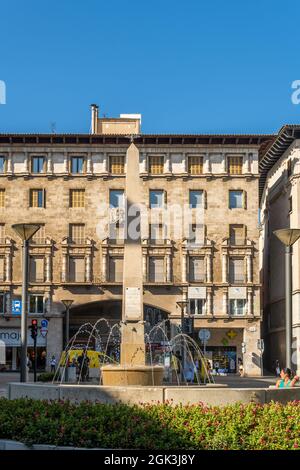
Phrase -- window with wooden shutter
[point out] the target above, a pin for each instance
(37, 164)
(195, 165)
(77, 197)
(76, 269)
(237, 234)
(156, 164)
(2, 197)
(116, 269)
(235, 165)
(77, 233)
(2, 268)
(236, 270)
(37, 197)
(77, 165)
(36, 269)
(156, 269)
(117, 164)
(197, 269)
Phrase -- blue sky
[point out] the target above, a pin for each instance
(193, 66)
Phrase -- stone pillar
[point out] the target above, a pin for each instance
(26, 162)
(104, 266)
(252, 356)
(89, 168)
(9, 164)
(49, 163)
(88, 268)
(207, 167)
(224, 268)
(7, 267)
(249, 268)
(167, 163)
(169, 266)
(249, 162)
(66, 163)
(105, 162)
(208, 268)
(223, 163)
(48, 268)
(184, 267)
(249, 302)
(145, 267)
(209, 310)
(185, 162)
(144, 163)
(225, 303)
(64, 267)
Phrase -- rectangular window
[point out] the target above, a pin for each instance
(117, 164)
(2, 303)
(156, 164)
(36, 304)
(197, 307)
(77, 165)
(116, 233)
(157, 233)
(156, 269)
(115, 269)
(196, 234)
(196, 269)
(77, 197)
(77, 233)
(2, 233)
(195, 165)
(39, 238)
(37, 164)
(2, 164)
(157, 199)
(116, 198)
(76, 269)
(36, 269)
(2, 197)
(236, 199)
(236, 270)
(237, 307)
(36, 198)
(237, 234)
(196, 199)
(235, 165)
(290, 204)
(2, 268)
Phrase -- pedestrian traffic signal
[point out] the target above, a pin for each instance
(34, 328)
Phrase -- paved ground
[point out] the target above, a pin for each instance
(231, 380)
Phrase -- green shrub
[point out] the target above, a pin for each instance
(151, 426)
(46, 377)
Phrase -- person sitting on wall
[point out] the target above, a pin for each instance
(287, 380)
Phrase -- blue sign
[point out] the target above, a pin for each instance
(16, 307)
(44, 324)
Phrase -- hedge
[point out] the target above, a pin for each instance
(151, 426)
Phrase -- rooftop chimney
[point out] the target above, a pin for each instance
(94, 110)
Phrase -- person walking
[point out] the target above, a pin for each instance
(241, 368)
(286, 379)
(53, 364)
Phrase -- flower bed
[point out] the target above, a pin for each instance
(151, 426)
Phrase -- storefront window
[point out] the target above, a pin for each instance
(36, 304)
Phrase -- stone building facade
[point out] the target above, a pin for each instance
(280, 204)
(65, 182)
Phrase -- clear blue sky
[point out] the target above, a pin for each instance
(187, 66)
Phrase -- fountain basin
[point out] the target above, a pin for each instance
(132, 375)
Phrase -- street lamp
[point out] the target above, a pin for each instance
(182, 304)
(288, 236)
(25, 232)
(67, 303)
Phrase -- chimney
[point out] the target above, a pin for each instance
(94, 109)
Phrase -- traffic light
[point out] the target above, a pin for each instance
(34, 328)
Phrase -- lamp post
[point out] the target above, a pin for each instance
(25, 232)
(288, 236)
(67, 303)
(182, 304)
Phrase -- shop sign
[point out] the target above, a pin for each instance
(12, 337)
(16, 307)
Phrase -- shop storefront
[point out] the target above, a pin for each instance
(223, 359)
(11, 340)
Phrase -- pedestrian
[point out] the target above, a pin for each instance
(286, 379)
(241, 368)
(277, 368)
(53, 364)
(83, 362)
(28, 363)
